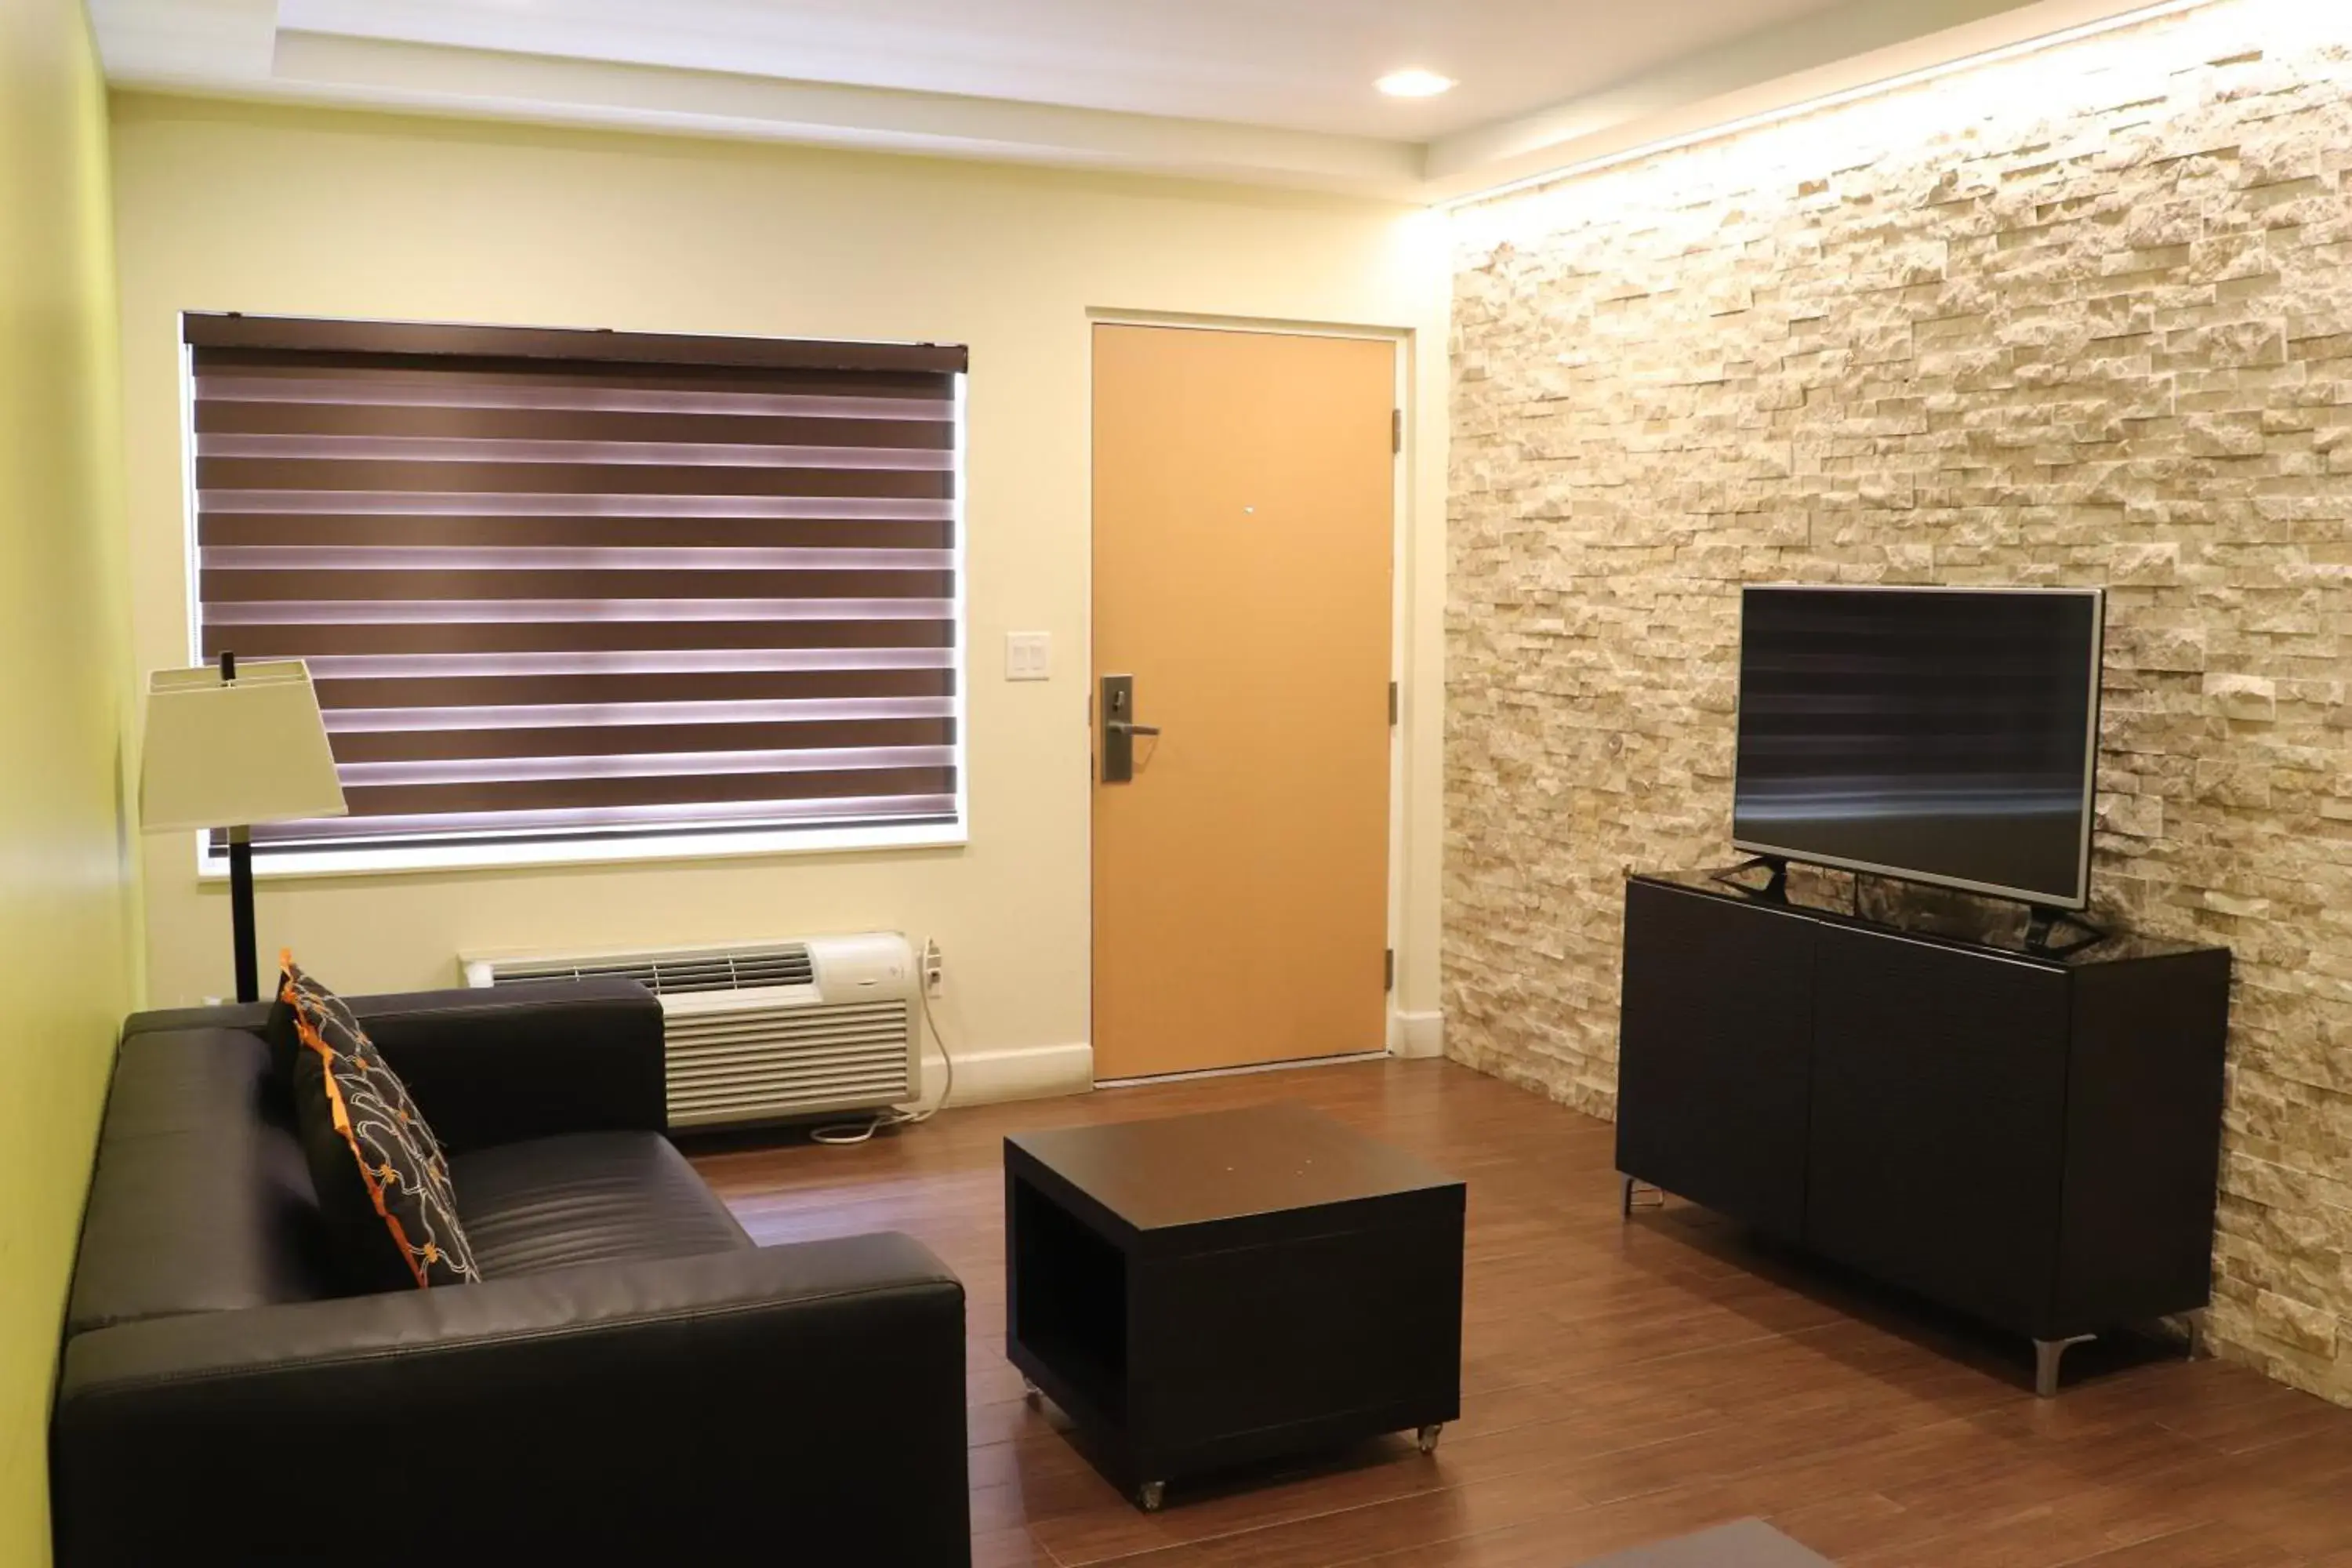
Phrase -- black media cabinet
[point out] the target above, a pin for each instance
(2030, 1138)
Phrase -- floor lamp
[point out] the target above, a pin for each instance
(229, 746)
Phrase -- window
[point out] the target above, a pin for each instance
(568, 588)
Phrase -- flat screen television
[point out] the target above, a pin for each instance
(1943, 735)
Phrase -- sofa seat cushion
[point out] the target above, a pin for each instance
(200, 1200)
(586, 1198)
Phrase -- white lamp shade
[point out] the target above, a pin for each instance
(232, 753)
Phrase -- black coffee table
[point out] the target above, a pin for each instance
(1208, 1290)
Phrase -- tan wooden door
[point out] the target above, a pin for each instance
(1243, 495)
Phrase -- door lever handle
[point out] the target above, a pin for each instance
(1121, 726)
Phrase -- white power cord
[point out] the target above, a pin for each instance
(846, 1133)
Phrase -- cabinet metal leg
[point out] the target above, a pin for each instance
(1150, 1495)
(1427, 1436)
(1628, 1188)
(1031, 1395)
(2046, 1355)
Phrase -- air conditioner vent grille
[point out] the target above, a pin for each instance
(764, 1031)
(677, 974)
(760, 1062)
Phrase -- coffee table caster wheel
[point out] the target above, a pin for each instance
(1150, 1495)
(1031, 1395)
(1427, 1437)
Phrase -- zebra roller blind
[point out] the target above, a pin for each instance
(563, 585)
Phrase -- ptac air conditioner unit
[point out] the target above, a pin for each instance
(765, 1031)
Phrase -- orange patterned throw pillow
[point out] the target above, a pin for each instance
(381, 1175)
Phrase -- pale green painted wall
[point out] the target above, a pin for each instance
(65, 895)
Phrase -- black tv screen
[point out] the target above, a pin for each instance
(1945, 735)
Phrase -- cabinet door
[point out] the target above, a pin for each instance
(1938, 1121)
(1711, 1053)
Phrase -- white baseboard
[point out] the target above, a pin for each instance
(1417, 1034)
(1014, 1072)
(1293, 1064)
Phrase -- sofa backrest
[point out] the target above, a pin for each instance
(200, 1200)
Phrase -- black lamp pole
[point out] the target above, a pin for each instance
(240, 886)
(241, 913)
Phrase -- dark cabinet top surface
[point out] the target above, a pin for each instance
(2121, 947)
(1226, 1165)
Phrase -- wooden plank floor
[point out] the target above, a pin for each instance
(1621, 1382)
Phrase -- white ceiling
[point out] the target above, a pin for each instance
(1307, 65)
(1274, 91)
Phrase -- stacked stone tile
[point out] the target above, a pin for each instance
(2083, 317)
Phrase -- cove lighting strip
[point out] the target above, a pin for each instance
(2024, 47)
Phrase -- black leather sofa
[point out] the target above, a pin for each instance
(632, 1382)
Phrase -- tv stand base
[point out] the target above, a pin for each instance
(2043, 922)
(1775, 886)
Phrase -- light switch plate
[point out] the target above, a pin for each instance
(1028, 656)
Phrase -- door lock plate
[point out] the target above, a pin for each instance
(1117, 714)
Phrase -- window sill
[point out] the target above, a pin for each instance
(526, 855)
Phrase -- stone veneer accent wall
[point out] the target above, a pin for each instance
(2079, 317)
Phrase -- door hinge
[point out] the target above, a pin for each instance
(1396, 429)
(1396, 704)
(1388, 971)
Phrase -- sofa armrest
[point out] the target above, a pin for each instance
(711, 1409)
(252, 1018)
(500, 1066)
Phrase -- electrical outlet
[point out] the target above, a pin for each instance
(934, 967)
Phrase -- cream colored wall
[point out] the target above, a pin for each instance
(234, 208)
(65, 971)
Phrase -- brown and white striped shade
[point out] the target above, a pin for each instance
(582, 584)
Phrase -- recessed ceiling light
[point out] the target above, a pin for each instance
(1413, 82)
